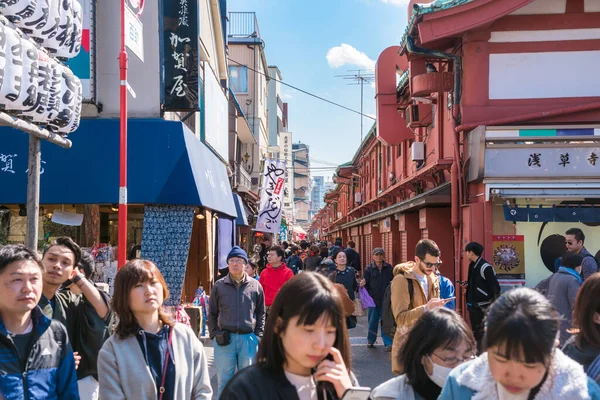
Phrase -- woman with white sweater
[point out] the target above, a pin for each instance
(149, 356)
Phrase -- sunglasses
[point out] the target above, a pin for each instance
(431, 265)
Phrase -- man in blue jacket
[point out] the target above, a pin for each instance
(36, 356)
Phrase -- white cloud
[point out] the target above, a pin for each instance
(397, 3)
(345, 54)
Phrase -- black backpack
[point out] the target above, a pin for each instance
(388, 322)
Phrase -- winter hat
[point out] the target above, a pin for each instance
(237, 251)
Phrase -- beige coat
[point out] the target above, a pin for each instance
(407, 314)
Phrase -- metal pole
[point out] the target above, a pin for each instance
(122, 218)
(33, 192)
(361, 106)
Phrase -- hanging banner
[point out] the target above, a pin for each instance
(180, 55)
(271, 197)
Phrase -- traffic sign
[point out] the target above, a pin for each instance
(134, 34)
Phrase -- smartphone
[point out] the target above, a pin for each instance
(324, 385)
(357, 393)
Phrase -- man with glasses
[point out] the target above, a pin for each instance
(415, 289)
(237, 318)
(574, 239)
(482, 288)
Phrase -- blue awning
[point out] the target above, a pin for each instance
(241, 219)
(167, 164)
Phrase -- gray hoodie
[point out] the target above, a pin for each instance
(562, 291)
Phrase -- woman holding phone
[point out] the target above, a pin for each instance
(305, 352)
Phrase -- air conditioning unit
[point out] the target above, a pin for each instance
(358, 197)
(417, 150)
(418, 115)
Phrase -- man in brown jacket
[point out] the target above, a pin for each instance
(415, 289)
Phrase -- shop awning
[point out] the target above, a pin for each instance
(545, 190)
(298, 229)
(167, 164)
(241, 219)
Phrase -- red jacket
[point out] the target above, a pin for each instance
(272, 279)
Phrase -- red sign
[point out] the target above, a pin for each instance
(278, 186)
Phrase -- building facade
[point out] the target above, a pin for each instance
(302, 184)
(479, 139)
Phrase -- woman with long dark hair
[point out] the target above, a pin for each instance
(305, 352)
(584, 345)
(149, 356)
(439, 341)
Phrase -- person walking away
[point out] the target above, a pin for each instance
(150, 357)
(314, 259)
(574, 240)
(415, 289)
(287, 251)
(305, 353)
(429, 358)
(482, 288)
(237, 318)
(37, 359)
(376, 278)
(562, 291)
(85, 311)
(294, 262)
(263, 256)
(323, 251)
(584, 345)
(251, 270)
(521, 358)
(352, 255)
(275, 275)
(446, 290)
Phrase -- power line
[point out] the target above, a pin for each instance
(303, 91)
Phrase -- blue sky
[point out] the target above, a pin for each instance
(298, 36)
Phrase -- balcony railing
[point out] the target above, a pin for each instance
(243, 25)
(243, 181)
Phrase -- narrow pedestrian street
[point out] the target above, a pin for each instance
(371, 366)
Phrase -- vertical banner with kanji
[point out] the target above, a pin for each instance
(271, 196)
(509, 257)
(181, 85)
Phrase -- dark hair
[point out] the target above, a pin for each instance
(351, 244)
(87, 264)
(450, 330)
(586, 305)
(327, 268)
(278, 250)
(314, 250)
(475, 248)
(132, 273)
(426, 246)
(252, 264)
(284, 244)
(307, 296)
(338, 241)
(335, 250)
(70, 244)
(304, 245)
(571, 260)
(578, 233)
(294, 249)
(17, 252)
(523, 323)
(323, 251)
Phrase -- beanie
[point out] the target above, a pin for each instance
(237, 251)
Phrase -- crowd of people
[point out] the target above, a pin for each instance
(279, 324)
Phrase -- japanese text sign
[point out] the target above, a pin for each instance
(271, 197)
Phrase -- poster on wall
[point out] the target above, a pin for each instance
(180, 55)
(509, 260)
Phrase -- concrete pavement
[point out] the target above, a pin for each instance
(371, 366)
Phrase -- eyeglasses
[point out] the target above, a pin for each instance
(236, 261)
(569, 243)
(454, 361)
(431, 265)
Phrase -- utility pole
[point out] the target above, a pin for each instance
(122, 216)
(359, 77)
(33, 192)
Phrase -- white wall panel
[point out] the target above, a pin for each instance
(545, 36)
(544, 75)
(539, 7)
(592, 5)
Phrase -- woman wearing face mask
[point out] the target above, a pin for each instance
(305, 352)
(521, 361)
(428, 358)
(149, 357)
(584, 345)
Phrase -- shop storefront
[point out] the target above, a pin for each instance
(537, 182)
(177, 189)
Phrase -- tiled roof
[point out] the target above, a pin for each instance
(422, 9)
